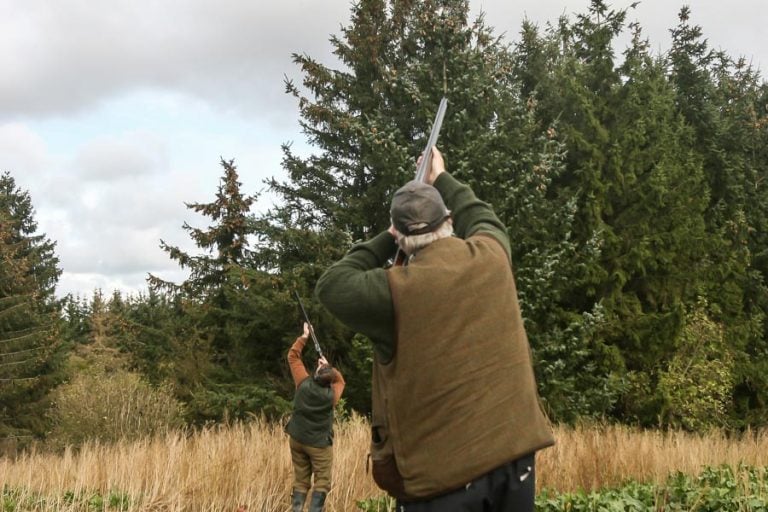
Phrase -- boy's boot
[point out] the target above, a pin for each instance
(297, 500)
(318, 502)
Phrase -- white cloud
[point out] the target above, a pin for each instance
(67, 55)
(117, 251)
(22, 151)
(732, 26)
(83, 284)
(114, 114)
(122, 158)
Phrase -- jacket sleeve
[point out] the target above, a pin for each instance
(355, 290)
(471, 216)
(298, 371)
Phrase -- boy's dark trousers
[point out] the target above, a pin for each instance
(508, 488)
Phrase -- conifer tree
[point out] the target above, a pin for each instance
(227, 309)
(655, 208)
(74, 326)
(368, 120)
(29, 344)
(743, 144)
(723, 100)
(641, 194)
(224, 244)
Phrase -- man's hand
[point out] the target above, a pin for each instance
(322, 363)
(436, 168)
(306, 331)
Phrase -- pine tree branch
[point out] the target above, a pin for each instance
(20, 338)
(16, 363)
(8, 354)
(9, 310)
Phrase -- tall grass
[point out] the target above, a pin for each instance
(596, 457)
(248, 467)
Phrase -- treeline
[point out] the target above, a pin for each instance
(633, 186)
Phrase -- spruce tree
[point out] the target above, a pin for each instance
(655, 208)
(723, 99)
(369, 119)
(30, 348)
(224, 244)
(639, 189)
(228, 311)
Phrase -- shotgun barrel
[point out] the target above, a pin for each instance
(425, 164)
(311, 329)
(422, 171)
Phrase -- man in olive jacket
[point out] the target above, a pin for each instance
(311, 426)
(456, 416)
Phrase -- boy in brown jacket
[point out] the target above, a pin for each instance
(311, 426)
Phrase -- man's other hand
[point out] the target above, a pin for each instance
(438, 166)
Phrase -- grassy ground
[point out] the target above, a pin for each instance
(247, 467)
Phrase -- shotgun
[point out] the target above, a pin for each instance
(311, 329)
(425, 165)
(422, 171)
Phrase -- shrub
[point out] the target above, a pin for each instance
(108, 406)
(382, 504)
(698, 381)
(715, 489)
(227, 402)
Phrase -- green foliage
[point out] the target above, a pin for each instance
(108, 406)
(235, 402)
(723, 101)
(342, 412)
(30, 351)
(632, 187)
(156, 332)
(698, 381)
(358, 367)
(382, 504)
(720, 489)
(637, 233)
(227, 320)
(576, 374)
(21, 500)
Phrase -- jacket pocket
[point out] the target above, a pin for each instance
(385, 472)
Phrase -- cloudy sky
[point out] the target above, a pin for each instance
(113, 114)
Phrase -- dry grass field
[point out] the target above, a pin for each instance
(247, 467)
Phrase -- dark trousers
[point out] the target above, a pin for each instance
(509, 488)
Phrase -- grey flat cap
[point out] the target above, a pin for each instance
(417, 208)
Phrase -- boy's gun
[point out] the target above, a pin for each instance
(311, 329)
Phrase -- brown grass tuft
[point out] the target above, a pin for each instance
(596, 457)
(222, 469)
